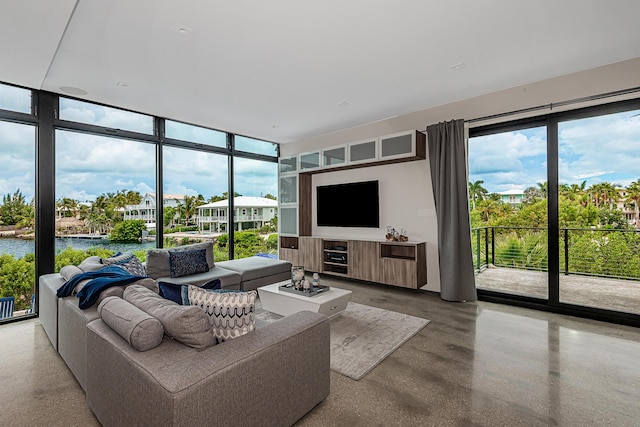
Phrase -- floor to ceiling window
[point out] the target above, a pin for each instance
(75, 173)
(17, 211)
(195, 189)
(105, 195)
(255, 202)
(564, 231)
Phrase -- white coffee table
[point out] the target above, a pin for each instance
(285, 303)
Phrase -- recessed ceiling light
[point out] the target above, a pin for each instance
(76, 91)
(343, 104)
(458, 66)
(184, 30)
(122, 84)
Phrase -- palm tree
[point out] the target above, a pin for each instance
(69, 207)
(188, 208)
(603, 192)
(544, 188)
(633, 195)
(488, 209)
(476, 192)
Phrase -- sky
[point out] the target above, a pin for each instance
(603, 148)
(89, 165)
(597, 149)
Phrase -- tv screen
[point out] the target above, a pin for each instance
(354, 204)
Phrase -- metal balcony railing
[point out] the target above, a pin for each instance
(583, 251)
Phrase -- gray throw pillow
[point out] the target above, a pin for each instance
(92, 263)
(157, 264)
(68, 271)
(187, 324)
(139, 329)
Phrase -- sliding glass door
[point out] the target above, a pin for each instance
(555, 211)
(599, 193)
(508, 202)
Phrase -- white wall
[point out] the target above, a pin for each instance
(407, 186)
(401, 205)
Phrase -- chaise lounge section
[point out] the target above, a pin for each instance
(238, 274)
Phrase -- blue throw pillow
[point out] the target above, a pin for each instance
(186, 263)
(173, 291)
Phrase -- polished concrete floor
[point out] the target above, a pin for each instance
(475, 364)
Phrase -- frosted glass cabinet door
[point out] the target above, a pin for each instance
(288, 164)
(398, 145)
(336, 156)
(363, 151)
(288, 189)
(288, 221)
(309, 161)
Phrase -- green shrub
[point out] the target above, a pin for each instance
(129, 230)
(272, 242)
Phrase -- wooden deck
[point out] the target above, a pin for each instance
(610, 294)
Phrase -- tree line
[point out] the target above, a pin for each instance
(579, 206)
(595, 235)
(101, 215)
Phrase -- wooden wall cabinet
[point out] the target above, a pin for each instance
(363, 260)
(311, 253)
(401, 264)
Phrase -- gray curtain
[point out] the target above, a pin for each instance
(448, 161)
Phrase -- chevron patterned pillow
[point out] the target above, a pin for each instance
(231, 314)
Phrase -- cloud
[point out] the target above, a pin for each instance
(597, 149)
(508, 160)
(90, 165)
(84, 112)
(15, 99)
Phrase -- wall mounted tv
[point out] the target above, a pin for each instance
(354, 204)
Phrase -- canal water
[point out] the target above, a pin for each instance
(19, 247)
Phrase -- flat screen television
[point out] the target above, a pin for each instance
(354, 204)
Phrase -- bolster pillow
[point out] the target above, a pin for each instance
(139, 329)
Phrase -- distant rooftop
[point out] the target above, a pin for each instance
(244, 202)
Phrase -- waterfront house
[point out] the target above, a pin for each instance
(146, 209)
(250, 212)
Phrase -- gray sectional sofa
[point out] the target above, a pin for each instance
(270, 376)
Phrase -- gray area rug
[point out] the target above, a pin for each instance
(363, 336)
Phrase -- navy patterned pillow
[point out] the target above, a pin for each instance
(129, 262)
(186, 263)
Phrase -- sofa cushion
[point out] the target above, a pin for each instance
(92, 263)
(68, 271)
(186, 263)
(117, 291)
(129, 262)
(138, 328)
(231, 314)
(158, 259)
(256, 267)
(187, 324)
(173, 291)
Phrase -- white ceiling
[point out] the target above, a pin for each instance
(286, 70)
